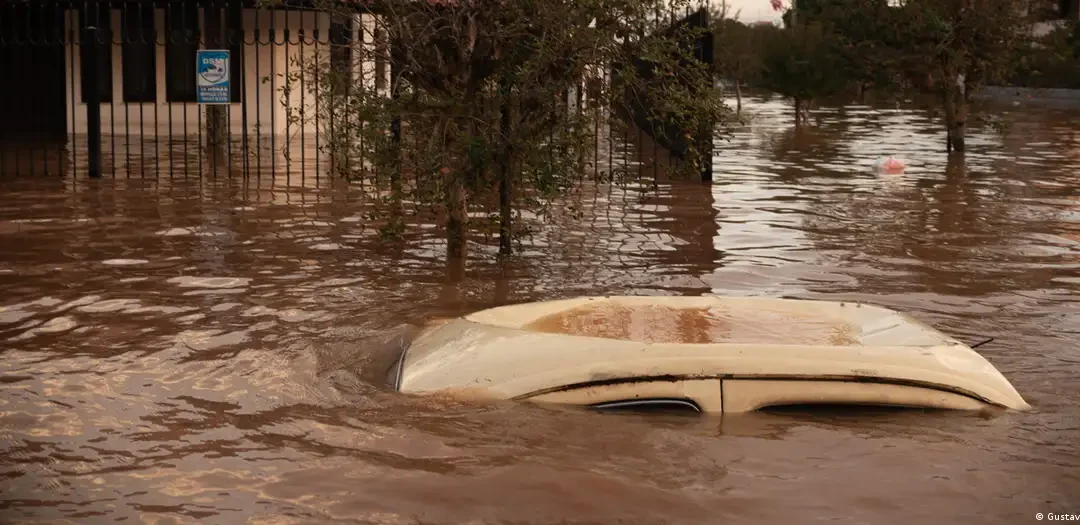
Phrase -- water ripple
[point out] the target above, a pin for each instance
(212, 351)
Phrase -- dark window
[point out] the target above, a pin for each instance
(137, 50)
(234, 35)
(665, 405)
(394, 373)
(100, 18)
(181, 47)
(341, 35)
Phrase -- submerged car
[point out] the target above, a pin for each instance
(706, 354)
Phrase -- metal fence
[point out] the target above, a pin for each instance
(108, 88)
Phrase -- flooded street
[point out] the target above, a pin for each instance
(186, 352)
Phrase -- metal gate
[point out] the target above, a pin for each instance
(108, 88)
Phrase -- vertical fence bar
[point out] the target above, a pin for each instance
(211, 34)
(127, 120)
(244, 146)
(395, 124)
(157, 139)
(506, 191)
(31, 42)
(228, 136)
(16, 42)
(318, 89)
(199, 37)
(596, 130)
(20, 30)
(90, 37)
(654, 125)
(124, 37)
(142, 140)
(180, 32)
(40, 38)
(216, 125)
(210, 30)
(199, 131)
(288, 104)
(610, 110)
(380, 46)
(338, 67)
(47, 28)
(72, 42)
(3, 42)
(50, 19)
(227, 43)
(273, 109)
(170, 38)
(258, 97)
(303, 104)
(704, 53)
(361, 37)
(639, 151)
(59, 31)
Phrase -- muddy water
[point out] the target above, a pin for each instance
(673, 325)
(210, 353)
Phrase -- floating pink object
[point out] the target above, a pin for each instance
(890, 165)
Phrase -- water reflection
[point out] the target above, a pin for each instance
(211, 351)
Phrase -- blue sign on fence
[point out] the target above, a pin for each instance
(212, 75)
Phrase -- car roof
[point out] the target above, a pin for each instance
(507, 351)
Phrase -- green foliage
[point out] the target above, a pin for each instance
(802, 63)
(460, 65)
(955, 47)
(738, 50)
(950, 48)
(962, 37)
(869, 43)
(1053, 61)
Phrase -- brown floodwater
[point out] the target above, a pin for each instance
(212, 352)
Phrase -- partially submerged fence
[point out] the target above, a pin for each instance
(110, 88)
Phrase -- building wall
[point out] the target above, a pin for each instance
(268, 60)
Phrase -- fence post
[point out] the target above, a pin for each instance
(705, 55)
(91, 39)
(217, 125)
(506, 157)
(340, 40)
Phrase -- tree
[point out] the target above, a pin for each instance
(738, 53)
(1052, 61)
(955, 47)
(864, 33)
(801, 63)
(951, 48)
(480, 97)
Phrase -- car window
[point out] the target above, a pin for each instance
(665, 405)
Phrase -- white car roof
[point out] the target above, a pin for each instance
(528, 349)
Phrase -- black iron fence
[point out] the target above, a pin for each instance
(109, 88)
